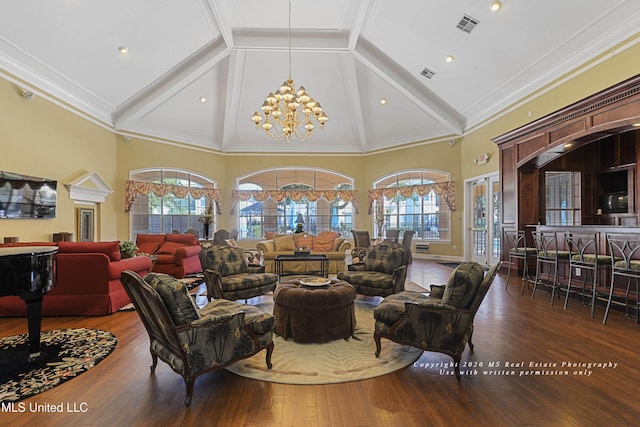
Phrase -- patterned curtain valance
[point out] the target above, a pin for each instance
(444, 189)
(138, 187)
(296, 195)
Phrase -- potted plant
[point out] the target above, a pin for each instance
(128, 249)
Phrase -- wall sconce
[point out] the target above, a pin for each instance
(481, 159)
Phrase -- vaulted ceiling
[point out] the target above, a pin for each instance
(349, 54)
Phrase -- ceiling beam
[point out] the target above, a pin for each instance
(235, 77)
(278, 39)
(407, 84)
(169, 84)
(355, 99)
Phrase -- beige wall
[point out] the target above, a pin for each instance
(41, 139)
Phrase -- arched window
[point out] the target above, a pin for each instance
(428, 215)
(257, 217)
(167, 214)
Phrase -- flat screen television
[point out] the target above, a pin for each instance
(23, 196)
(615, 202)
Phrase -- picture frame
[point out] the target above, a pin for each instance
(85, 224)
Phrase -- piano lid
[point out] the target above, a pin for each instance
(27, 250)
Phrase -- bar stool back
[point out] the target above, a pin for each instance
(625, 250)
(518, 250)
(584, 255)
(548, 254)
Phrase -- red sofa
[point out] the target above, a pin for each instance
(87, 280)
(178, 254)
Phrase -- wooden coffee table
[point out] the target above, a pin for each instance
(281, 260)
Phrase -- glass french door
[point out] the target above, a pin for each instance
(483, 237)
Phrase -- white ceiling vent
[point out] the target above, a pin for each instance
(467, 23)
(428, 73)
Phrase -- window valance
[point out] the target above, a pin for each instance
(444, 189)
(295, 195)
(138, 187)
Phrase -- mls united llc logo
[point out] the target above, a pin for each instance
(21, 407)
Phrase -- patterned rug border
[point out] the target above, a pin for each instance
(80, 350)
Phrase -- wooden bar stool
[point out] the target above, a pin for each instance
(585, 256)
(518, 250)
(625, 250)
(548, 254)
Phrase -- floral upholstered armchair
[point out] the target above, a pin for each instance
(227, 274)
(193, 341)
(382, 273)
(441, 322)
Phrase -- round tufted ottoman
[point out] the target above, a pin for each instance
(314, 315)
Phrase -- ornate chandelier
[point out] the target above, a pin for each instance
(287, 110)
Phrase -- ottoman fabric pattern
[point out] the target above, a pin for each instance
(314, 315)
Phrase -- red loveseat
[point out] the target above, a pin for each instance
(87, 280)
(178, 254)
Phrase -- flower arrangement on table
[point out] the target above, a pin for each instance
(206, 219)
(379, 218)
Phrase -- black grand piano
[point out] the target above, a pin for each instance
(28, 272)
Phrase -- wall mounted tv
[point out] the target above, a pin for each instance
(23, 196)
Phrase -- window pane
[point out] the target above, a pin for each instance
(562, 198)
(427, 215)
(282, 217)
(152, 214)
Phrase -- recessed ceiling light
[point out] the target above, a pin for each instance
(383, 101)
(203, 99)
(637, 125)
(123, 49)
(449, 58)
(495, 6)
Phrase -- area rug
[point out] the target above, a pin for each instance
(66, 353)
(333, 362)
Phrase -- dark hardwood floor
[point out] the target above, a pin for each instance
(601, 387)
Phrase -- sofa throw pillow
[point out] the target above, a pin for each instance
(304, 240)
(148, 248)
(436, 291)
(184, 239)
(175, 296)
(328, 233)
(110, 249)
(284, 243)
(142, 239)
(323, 243)
(463, 284)
(169, 248)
